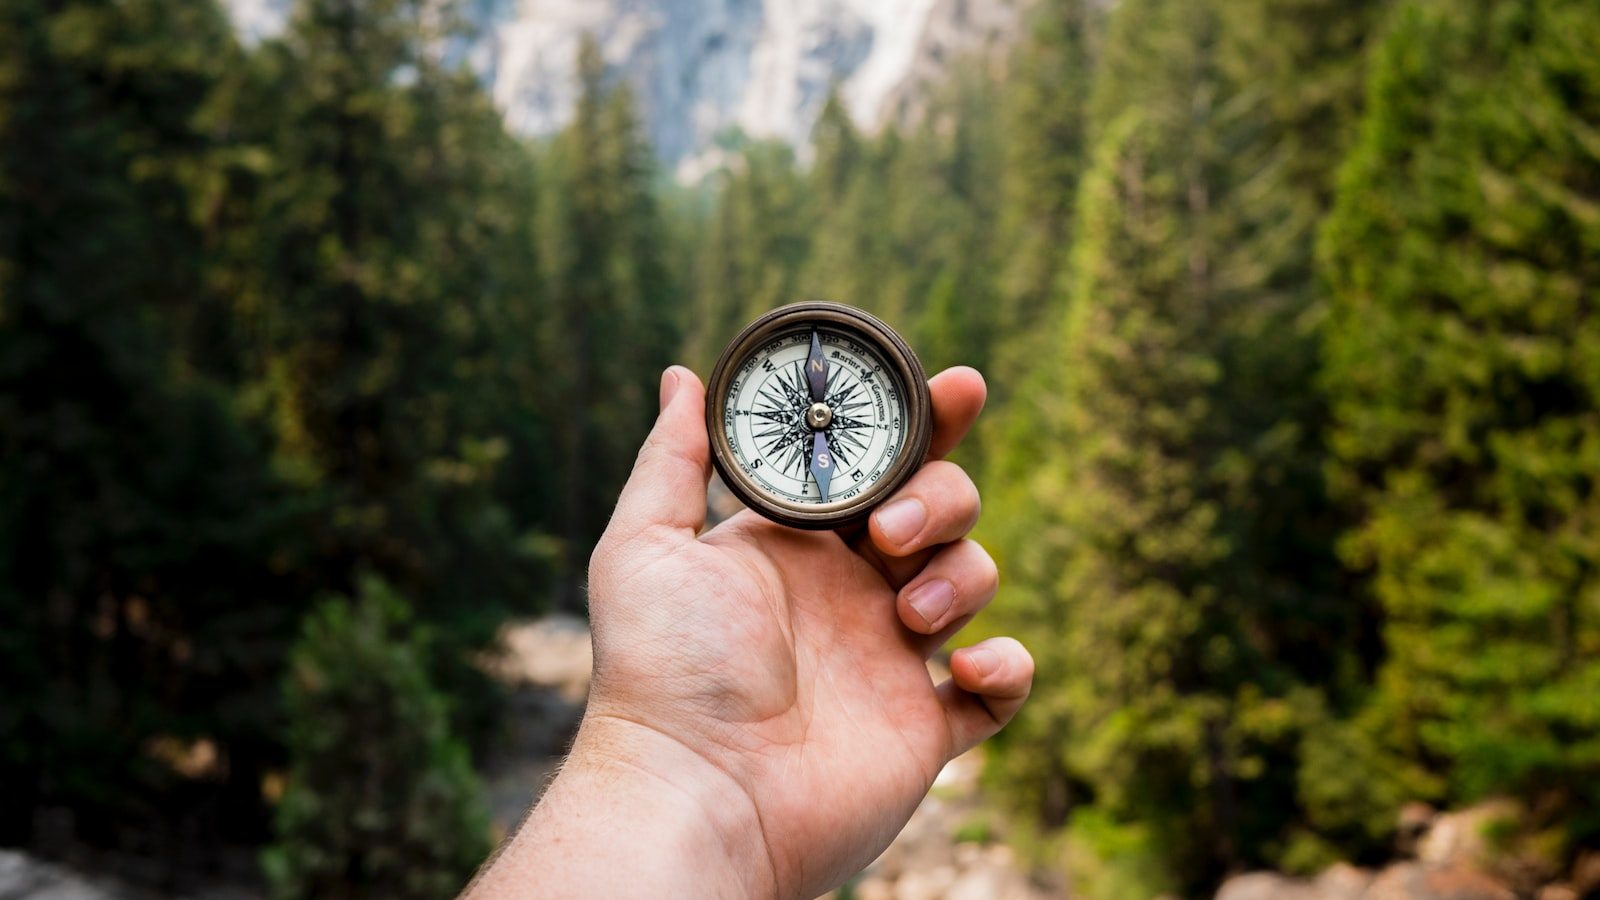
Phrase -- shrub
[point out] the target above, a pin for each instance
(381, 799)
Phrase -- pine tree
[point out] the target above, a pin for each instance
(381, 801)
(1178, 548)
(136, 504)
(853, 245)
(750, 256)
(1464, 255)
(388, 249)
(837, 152)
(944, 189)
(1045, 118)
(610, 326)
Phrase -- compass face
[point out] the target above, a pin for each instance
(771, 438)
(816, 413)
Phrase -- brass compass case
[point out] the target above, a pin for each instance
(856, 338)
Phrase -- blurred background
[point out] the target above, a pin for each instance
(329, 329)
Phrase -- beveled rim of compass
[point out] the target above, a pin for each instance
(875, 334)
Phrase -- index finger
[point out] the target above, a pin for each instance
(958, 394)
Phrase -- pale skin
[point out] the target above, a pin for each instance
(761, 721)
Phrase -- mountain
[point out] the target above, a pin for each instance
(703, 69)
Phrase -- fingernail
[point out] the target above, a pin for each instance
(932, 600)
(902, 520)
(669, 385)
(984, 661)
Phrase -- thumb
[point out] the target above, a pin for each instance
(667, 489)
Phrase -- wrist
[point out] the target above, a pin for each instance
(635, 812)
(707, 816)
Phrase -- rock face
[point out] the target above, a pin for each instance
(702, 68)
(955, 29)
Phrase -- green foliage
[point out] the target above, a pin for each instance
(1174, 544)
(749, 258)
(610, 309)
(1111, 858)
(138, 514)
(259, 323)
(381, 800)
(387, 254)
(1290, 475)
(976, 830)
(1044, 113)
(1465, 259)
(1353, 780)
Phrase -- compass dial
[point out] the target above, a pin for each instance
(767, 426)
(817, 412)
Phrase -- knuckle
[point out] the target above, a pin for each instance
(952, 482)
(660, 448)
(943, 472)
(1021, 659)
(973, 500)
(950, 490)
(984, 564)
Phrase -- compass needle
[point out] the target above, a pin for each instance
(817, 371)
(821, 463)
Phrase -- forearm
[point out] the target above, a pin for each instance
(632, 814)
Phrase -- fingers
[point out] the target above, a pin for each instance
(958, 396)
(988, 682)
(667, 490)
(938, 505)
(958, 582)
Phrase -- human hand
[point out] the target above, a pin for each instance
(761, 711)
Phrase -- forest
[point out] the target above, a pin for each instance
(312, 376)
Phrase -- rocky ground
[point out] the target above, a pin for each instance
(1442, 856)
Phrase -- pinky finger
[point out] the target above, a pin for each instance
(988, 682)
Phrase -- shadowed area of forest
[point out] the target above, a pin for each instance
(313, 378)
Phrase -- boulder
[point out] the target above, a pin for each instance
(988, 882)
(1267, 886)
(553, 652)
(1342, 881)
(22, 876)
(1585, 877)
(1420, 881)
(925, 883)
(1461, 838)
(1411, 824)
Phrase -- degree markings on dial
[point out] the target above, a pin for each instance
(767, 406)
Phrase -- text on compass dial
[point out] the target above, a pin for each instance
(765, 416)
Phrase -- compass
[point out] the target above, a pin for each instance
(817, 412)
